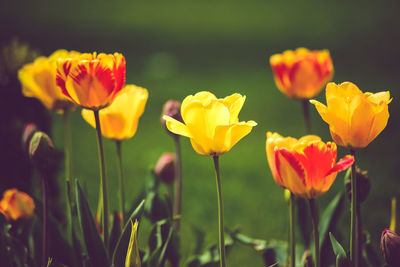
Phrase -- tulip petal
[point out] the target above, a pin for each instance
(234, 103)
(361, 123)
(199, 148)
(177, 127)
(342, 164)
(291, 171)
(204, 97)
(226, 136)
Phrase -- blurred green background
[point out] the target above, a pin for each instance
(179, 48)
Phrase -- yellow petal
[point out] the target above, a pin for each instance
(203, 97)
(177, 127)
(290, 177)
(234, 103)
(199, 149)
(361, 124)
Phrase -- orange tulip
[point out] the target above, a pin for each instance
(90, 80)
(301, 74)
(16, 204)
(307, 167)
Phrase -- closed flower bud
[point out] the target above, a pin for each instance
(390, 247)
(363, 185)
(29, 131)
(171, 108)
(306, 259)
(16, 204)
(165, 168)
(41, 150)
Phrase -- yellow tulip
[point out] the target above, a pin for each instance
(212, 124)
(38, 79)
(16, 204)
(119, 121)
(90, 80)
(307, 167)
(301, 74)
(355, 118)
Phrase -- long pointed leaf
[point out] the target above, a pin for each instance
(94, 245)
(330, 216)
(340, 253)
(121, 248)
(132, 255)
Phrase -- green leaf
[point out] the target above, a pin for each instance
(159, 239)
(132, 255)
(94, 245)
(330, 216)
(340, 253)
(119, 255)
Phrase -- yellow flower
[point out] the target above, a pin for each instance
(38, 79)
(212, 124)
(90, 80)
(355, 118)
(307, 167)
(301, 74)
(16, 204)
(119, 121)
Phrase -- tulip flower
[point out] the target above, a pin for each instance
(390, 247)
(307, 167)
(213, 127)
(119, 121)
(90, 80)
(211, 124)
(38, 80)
(355, 118)
(16, 204)
(301, 74)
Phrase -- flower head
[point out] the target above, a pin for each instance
(38, 79)
(165, 168)
(119, 121)
(301, 73)
(390, 247)
(307, 167)
(171, 108)
(212, 124)
(90, 80)
(355, 118)
(16, 204)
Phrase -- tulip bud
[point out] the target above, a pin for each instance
(29, 131)
(41, 150)
(171, 108)
(363, 185)
(307, 259)
(390, 247)
(16, 204)
(286, 195)
(165, 168)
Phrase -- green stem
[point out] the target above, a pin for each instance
(314, 218)
(292, 240)
(103, 178)
(306, 114)
(220, 214)
(354, 237)
(68, 173)
(45, 216)
(121, 181)
(178, 184)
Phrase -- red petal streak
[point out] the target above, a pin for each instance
(280, 70)
(342, 164)
(106, 78)
(119, 74)
(277, 164)
(60, 79)
(293, 161)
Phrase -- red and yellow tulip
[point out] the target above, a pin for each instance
(301, 74)
(307, 167)
(90, 80)
(38, 80)
(16, 204)
(355, 118)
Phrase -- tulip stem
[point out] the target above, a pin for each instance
(354, 238)
(121, 181)
(45, 212)
(306, 114)
(178, 184)
(292, 239)
(220, 214)
(68, 173)
(314, 217)
(103, 178)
